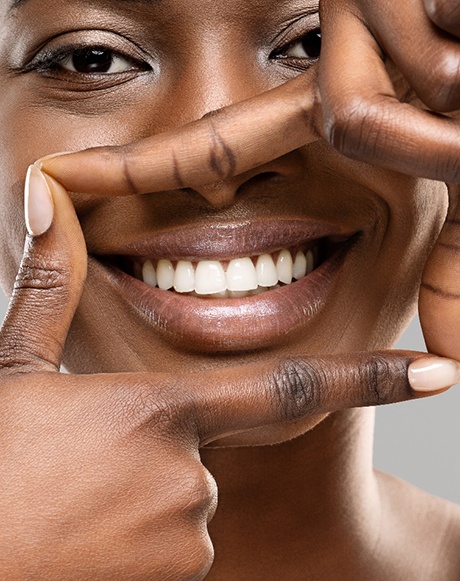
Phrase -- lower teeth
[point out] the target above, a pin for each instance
(233, 294)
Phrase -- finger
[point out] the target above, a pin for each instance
(224, 144)
(426, 56)
(362, 115)
(49, 283)
(445, 14)
(439, 301)
(292, 389)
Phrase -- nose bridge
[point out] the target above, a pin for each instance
(222, 71)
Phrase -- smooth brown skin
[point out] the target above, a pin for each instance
(111, 481)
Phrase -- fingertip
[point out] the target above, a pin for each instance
(66, 220)
(38, 202)
(43, 162)
(433, 373)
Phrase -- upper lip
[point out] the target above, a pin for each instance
(227, 240)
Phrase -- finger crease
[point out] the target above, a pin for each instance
(442, 293)
(222, 159)
(453, 247)
(133, 189)
(177, 176)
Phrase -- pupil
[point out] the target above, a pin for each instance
(93, 60)
(312, 43)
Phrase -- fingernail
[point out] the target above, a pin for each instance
(39, 162)
(38, 202)
(432, 373)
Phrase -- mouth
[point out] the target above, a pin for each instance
(210, 297)
(234, 278)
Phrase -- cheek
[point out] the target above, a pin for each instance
(30, 129)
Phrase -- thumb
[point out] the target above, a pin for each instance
(49, 282)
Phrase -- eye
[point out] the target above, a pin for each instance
(95, 60)
(308, 47)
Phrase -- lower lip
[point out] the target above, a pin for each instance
(232, 325)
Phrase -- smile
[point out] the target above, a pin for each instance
(237, 278)
(203, 299)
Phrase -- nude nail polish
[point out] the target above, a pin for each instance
(433, 373)
(38, 202)
(39, 163)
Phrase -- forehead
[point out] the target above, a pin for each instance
(13, 5)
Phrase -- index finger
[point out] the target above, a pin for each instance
(363, 119)
(220, 145)
(228, 401)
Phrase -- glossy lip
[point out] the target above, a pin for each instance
(232, 325)
(227, 241)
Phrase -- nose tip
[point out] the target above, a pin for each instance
(225, 193)
(219, 194)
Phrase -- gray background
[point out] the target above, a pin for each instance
(416, 440)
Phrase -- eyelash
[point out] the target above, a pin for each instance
(50, 60)
(313, 36)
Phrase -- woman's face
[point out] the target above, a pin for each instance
(157, 64)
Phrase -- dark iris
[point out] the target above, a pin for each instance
(92, 60)
(311, 43)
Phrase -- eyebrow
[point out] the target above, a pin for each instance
(17, 3)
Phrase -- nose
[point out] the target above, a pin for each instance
(217, 75)
(226, 192)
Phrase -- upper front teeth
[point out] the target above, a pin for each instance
(208, 277)
(241, 275)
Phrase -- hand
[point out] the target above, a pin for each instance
(364, 118)
(101, 474)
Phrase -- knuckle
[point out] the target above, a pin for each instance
(199, 492)
(19, 356)
(146, 406)
(443, 12)
(222, 159)
(297, 384)
(442, 86)
(200, 557)
(354, 125)
(378, 375)
(187, 555)
(154, 407)
(50, 275)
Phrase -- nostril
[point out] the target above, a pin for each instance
(264, 176)
(258, 180)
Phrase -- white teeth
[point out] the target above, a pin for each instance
(284, 267)
(266, 271)
(165, 274)
(241, 275)
(209, 277)
(237, 294)
(149, 275)
(242, 278)
(310, 261)
(300, 266)
(184, 277)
